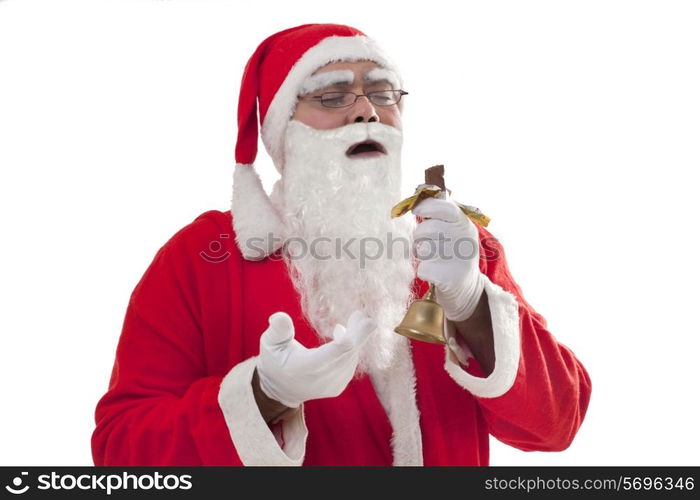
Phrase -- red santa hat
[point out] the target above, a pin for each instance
(273, 78)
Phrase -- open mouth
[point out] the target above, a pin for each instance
(366, 148)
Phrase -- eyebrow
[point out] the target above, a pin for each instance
(382, 75)
(327, 79)
(346, 77)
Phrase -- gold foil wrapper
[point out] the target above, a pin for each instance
(431, 191)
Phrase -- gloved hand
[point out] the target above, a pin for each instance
(291, 374)
(455, 271)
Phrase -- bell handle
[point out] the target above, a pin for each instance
(430, 293)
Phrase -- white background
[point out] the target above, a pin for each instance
(574, 125)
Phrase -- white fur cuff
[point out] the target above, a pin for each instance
(506, 339)
(254, 441)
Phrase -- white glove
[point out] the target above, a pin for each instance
(455, 269)
(291, 374)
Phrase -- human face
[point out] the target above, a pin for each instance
(312, 113)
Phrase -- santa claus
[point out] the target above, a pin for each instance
(282, 350)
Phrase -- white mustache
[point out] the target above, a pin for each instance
(348, 135)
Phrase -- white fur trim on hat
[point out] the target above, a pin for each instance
(333, 48)
(256, 224)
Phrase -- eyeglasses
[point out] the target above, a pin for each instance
(344, 99)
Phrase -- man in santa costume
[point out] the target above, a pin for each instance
(264, 335)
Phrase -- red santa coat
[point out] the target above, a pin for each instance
(180, 392)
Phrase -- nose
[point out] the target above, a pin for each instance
(362, 111)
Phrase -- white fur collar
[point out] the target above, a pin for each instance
(257, 225)
(396, 390)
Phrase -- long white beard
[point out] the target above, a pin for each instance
(325, 195)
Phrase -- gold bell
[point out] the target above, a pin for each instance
(424, 320)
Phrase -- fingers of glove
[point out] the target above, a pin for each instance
(461, 227)
(435, 208)
(442, 275)
(435, 229)
(334, 351)
(469, 228)
(360, 327)
(280, 331)
(346, 342)
(328, 360)
(341, 337)
(462, 244)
